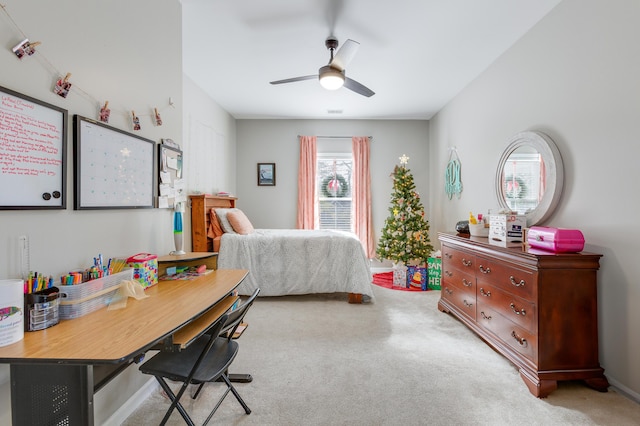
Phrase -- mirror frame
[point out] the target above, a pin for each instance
(554, 170)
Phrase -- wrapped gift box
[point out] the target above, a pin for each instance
(417, 277)
(434, 273)
(399, 276)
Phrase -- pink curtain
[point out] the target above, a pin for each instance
(307, 183)
(361, 194)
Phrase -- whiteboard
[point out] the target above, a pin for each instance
(33, 147)
(113, 168)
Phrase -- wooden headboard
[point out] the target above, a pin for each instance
(200, 206)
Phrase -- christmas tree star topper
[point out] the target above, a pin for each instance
(404, 160)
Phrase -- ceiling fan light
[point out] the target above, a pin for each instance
(331, 79)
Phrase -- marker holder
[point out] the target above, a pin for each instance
(81, 299)
(41, 309)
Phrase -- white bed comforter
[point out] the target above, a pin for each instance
(295, 261)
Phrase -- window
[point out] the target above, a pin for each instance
(333, 180)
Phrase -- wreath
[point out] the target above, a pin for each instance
(514, 188)
(334, 186)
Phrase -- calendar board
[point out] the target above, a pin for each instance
(114, 169)
(33, 147)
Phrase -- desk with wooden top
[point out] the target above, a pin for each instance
(56, 371)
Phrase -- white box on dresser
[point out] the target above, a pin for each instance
(538, 309)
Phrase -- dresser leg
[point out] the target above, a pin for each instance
(601, 384)
(539, 388)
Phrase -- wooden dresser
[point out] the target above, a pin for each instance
(536, 308)
(201, 204)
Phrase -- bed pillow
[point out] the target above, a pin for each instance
(240, 222)
(215, 230)
(224, 222)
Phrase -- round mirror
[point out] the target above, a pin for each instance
(530, 176)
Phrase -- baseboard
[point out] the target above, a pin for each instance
(623, 390)
(132, 403)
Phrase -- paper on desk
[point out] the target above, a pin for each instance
(128, 288)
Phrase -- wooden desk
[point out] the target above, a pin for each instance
(54, 372)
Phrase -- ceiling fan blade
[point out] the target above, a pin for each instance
(344, 54)
(294, 79)
(358, 88)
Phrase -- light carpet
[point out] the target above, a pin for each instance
(317, 360)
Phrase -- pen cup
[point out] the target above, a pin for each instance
(41, 309)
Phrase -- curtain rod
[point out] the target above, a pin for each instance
(336, 137)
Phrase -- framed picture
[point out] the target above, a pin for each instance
(33, 153)
(266, 174)
(113, 169)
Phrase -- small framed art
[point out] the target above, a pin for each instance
(266, 174)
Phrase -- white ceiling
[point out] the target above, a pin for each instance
(416, 55)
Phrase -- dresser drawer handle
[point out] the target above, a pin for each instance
(521, 340)
(447, 273)
(518, 312)
(448, 291)
(485, 270)
(466, 283)
(448, 255)
(466, 262)
(487, 293)
(485, 316)
(467, 304)
(516, 283)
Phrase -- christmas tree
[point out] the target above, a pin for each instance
(405, 236)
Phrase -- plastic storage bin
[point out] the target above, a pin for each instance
(41, 309)
(81, 299)
(556, 240)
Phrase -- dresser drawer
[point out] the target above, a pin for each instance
(462, 279)
(519, 339)
(458, 259)
(520, 311)
(519, 282)
(463, 299)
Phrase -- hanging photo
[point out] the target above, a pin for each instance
(105, 112)
(25, 48)
(135, 120)
(157, 117)
(62, 86)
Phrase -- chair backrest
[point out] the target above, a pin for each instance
(236, 316)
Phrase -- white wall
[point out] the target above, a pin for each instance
(574, 76)
(209, 147)
(127, 53)
(276, 141)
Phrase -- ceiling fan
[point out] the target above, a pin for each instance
(332, 76)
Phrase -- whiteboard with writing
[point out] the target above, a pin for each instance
(113, 168)
(33, 146)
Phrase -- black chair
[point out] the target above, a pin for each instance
(228, 331)
(205, 360)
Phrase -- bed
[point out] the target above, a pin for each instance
(282, 261)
